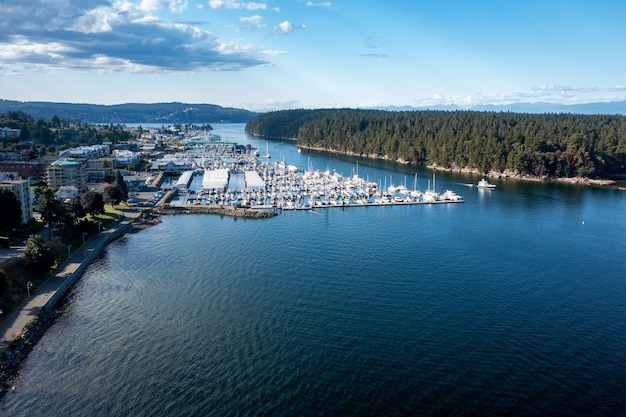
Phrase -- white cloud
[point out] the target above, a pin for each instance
(252, 23)
(286, 27)
(98, 20)
(541, 94)
(233, 4)
(376, 55)
(319, 4)
(96, 35)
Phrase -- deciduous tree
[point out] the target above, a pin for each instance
(92, 202)
(112, 195)
(51, 208)
(38, 254)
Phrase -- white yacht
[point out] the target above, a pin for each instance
(485, 184)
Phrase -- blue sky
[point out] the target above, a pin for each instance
(274, 54)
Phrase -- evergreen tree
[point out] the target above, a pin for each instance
(10, 211)
(121, 185)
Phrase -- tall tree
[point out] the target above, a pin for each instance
(92, 202)
(10, 211)
(51, 208)
(76, 208)
(38, 254)
(121, 184)
(112, 195)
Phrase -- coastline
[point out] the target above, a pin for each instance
(24, 328)
(221, 210)
(473, 171)
(15, 347)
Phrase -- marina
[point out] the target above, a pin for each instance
(387, 311)
(224, 174)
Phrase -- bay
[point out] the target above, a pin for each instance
(509, 304)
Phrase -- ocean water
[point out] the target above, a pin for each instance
(512, 303)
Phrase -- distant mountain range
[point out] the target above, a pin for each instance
(169, 113)
(166, 113)
(611, 107)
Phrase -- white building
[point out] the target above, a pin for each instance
(66, 172)
(93, 151)
(124, 158)
(7, 132)
(171, 166)
(215, 179)
(21, 189)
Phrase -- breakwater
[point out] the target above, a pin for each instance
(224, 210)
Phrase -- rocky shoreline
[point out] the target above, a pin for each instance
(222, 210)
(17, 351)
(492, 174)
(517, 176)
(19, 348)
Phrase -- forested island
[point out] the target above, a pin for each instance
(166, 113)
(516, 144)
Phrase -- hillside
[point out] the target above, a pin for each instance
(537, 145)
(166, 113)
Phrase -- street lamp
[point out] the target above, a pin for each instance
(84, 234)
(29, 285)
(69, 251)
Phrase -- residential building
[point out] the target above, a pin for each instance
(93, 151)
(97, 169)
(7, 132)
(125, 158)
(21, 189)
(67, 172)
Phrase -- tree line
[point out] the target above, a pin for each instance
(542, 145)
(42, 136)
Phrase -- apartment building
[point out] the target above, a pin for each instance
(67, 173)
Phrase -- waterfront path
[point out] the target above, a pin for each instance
(13, 325)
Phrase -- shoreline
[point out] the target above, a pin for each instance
(221, 210)
(16, 348)
(492, 174)
(14, 351)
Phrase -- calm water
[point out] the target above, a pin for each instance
(513, 303)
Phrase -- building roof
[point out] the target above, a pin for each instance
(66, 162)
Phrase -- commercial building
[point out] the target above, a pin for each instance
(25, 169)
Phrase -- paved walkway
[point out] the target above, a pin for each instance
(13, 325)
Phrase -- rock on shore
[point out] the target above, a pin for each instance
(224, 210)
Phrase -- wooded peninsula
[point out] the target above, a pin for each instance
(516, 144)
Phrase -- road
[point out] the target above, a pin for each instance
(13, 325)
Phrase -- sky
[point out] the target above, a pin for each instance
(278, 54)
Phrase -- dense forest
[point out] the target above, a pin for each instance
(41, 136)
(542, 145)
(166, 113)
